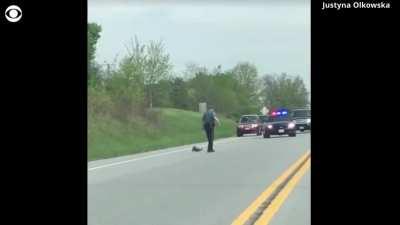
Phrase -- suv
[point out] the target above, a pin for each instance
(302, 117)
(248, 124)
(279, 123)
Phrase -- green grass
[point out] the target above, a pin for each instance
(108, 137)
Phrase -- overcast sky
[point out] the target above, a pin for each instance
(273, 36)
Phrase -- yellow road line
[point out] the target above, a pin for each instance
(247, 213)
(272, 209)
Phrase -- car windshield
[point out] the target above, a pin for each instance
(249, 119)
(301, 113)
(264, 118)
(278, 118)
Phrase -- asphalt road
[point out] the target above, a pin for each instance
(297, 208)
(179, 187)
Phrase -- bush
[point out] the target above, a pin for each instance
(153, 116)
(99, 103)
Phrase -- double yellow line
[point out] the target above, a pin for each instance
(288, 180)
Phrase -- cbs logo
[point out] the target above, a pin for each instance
(13, 13)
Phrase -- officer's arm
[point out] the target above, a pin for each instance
(216, 119)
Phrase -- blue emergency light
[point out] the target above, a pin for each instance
(281, 112)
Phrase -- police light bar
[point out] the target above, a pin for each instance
(279, 113)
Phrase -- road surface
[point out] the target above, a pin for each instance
(179, 187)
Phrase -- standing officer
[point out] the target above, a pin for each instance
(209, 119)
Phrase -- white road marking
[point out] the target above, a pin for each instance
(136, 159)
(146, 157)
(220, 141)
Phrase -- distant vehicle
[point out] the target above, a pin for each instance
(279, 123)
(302, 117)
(248, 124)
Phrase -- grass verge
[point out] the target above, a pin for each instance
(108, 137)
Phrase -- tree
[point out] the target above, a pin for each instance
(203, 88)
(179, 94)
(157, 67)
(225, 97)
(126, 84)
(284, 91)
(162, 93)
(214, 89)
(147, 65)
(218, 70)
(247, 87)
(93, 36)
(192, 69)
(246, 75)
(134, 63)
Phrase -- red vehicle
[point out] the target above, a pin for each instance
(249, 124)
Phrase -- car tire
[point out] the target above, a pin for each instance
(266, 135)
(239, 134)
(292, 134)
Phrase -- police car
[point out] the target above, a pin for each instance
(302, 117)
(279, 123)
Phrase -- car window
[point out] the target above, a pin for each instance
(249, 119)
(302, 113)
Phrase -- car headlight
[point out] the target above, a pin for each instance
(308, 120)
(240, 126)
(269, 126)
(291, 125)
(254, 125)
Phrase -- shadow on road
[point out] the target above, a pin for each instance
(274, 136)
(287, 136)
(249, 136)
(277, 136)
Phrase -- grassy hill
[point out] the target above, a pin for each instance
(108, 137)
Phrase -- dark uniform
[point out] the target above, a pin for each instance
(209, 119)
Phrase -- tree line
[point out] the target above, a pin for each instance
(144, 78)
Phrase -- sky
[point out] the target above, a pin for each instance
(273, 35)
